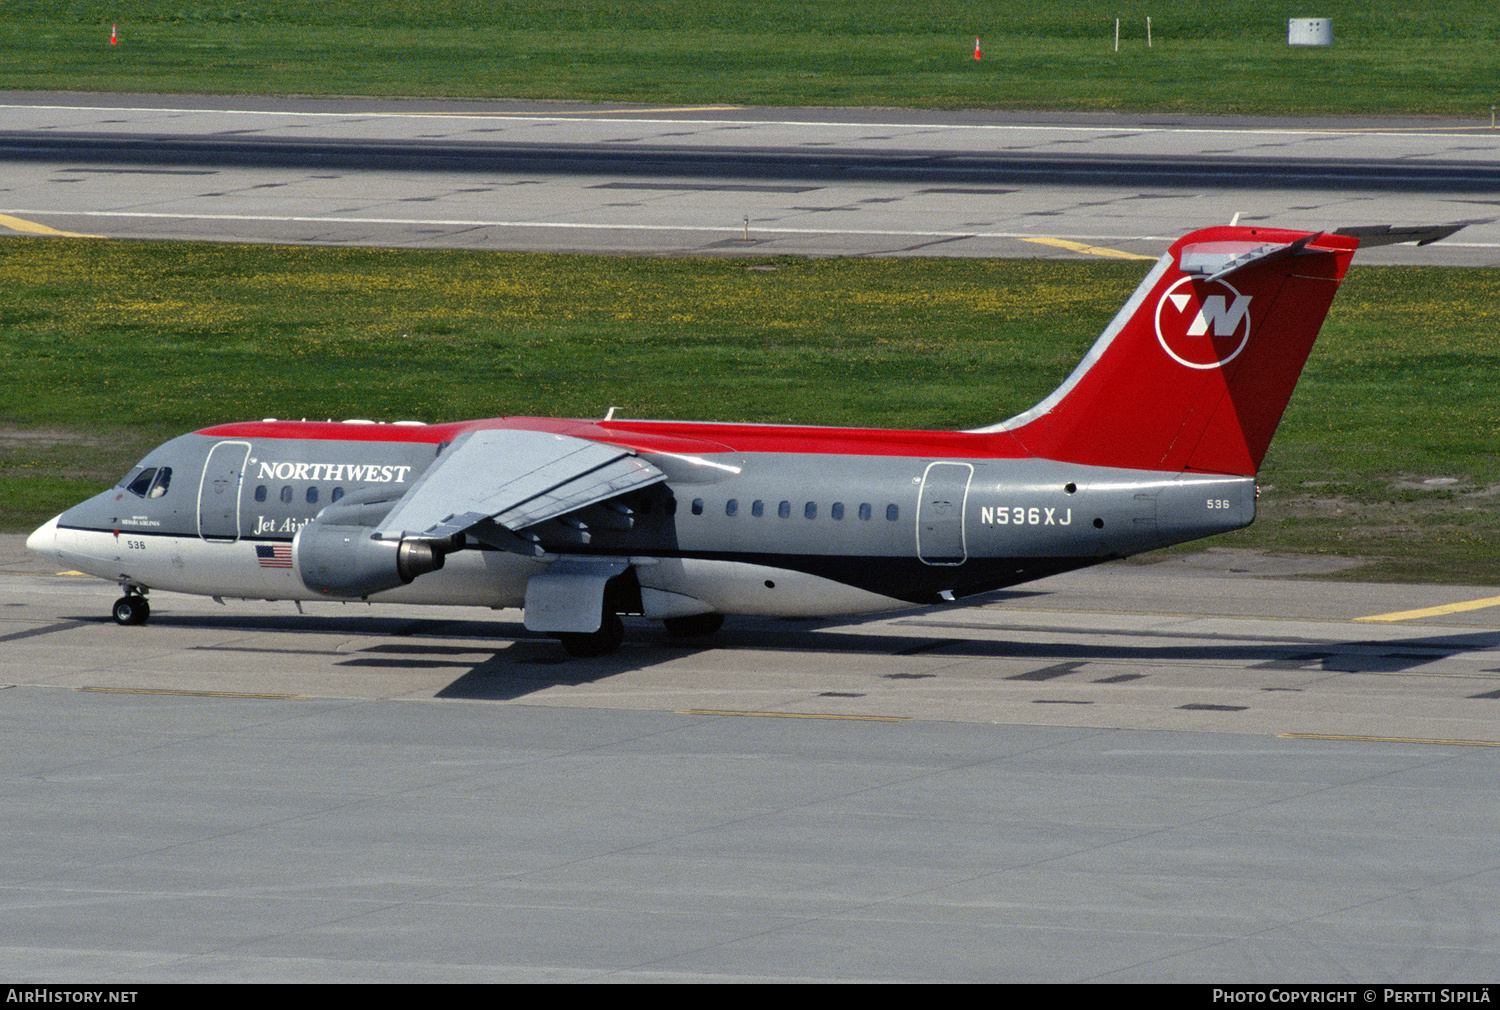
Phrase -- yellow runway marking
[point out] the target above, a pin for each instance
(18, 224)
(793, 715)
(1090, 250)
(1386, 739)
(1447, 608)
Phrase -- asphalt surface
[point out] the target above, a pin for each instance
(719, 181)
(1200, 770)
(1216, 641)
(1208, 769)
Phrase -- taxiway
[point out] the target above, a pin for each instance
(1199, 770)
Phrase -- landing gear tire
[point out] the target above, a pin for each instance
(131, 610)
(596, 643)
(696, 626)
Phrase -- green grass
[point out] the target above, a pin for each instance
(1416, 57)
(116, 346)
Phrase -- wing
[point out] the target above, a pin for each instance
(514, 478)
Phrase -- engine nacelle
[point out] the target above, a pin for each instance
(336, 554)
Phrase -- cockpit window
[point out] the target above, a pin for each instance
(151, 482)
(142, 484)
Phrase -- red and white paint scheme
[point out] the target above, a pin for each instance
(1154, 439)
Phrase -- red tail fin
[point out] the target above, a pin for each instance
(1195, 371)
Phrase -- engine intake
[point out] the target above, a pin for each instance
(337, 554)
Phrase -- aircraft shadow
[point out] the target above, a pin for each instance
(501, 660)
(531, 665)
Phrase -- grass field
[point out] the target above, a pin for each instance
(117, 346)
(1418, 57)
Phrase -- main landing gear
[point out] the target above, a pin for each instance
(588, 645)
(132, 608)
(612, 632)
(696, 626)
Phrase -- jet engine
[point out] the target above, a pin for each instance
(338, 554)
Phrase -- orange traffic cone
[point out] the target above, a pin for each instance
(114, 35)
(976, 49)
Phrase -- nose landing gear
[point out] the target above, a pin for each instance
(132, 608)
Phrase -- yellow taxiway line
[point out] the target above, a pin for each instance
(1447, 608)
(793, 715)
(20, 224)
(611, 112)
(195, 694)
(1089, 250)
(1385, 739)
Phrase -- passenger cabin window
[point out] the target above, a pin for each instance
(784, 510)
(892, 513)
(836, 511)
(338, 493)
(260, 492)
(757, 508)
(864, 511)
(810, 510)
(286, 495)
(697, 506)
(312, 495)
(732, 507)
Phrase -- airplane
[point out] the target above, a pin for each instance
(1154, 439)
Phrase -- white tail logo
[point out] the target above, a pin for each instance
(1214, 318)
(1185, 312)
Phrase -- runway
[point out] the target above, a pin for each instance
(725, 180)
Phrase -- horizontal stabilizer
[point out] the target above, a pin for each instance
(1383, 234)
(516, 478)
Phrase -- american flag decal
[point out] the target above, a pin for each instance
(274, 555)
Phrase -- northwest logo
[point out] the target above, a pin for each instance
(1203, 325)
(357, 472)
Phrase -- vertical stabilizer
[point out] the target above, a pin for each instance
(1195, 371)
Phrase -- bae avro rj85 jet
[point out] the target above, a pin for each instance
(1154, 439)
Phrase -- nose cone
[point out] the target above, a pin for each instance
(44, 540)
